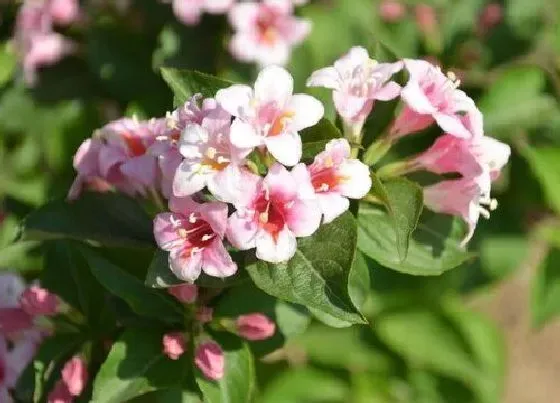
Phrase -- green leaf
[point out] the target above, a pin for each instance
(317, 276)
(315, 138)
(359, 282)
(141, 299)
(66, 274)
(135, 366)
(186, 83)
(160, 275)
(404, 201)
(39, 376)
(306, 385)
(545, 163)
(545, 293)
(502, 117)
(107, 218)
(8, 63)
(427, 341)
(175, 395)
(238, 382)
(434, 247)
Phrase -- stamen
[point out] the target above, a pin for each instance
(289, 204)
(192, 218)
(222, 160)
(263, 217)
(207, 237)
(211, 152)
(182, 232)
(324, 187)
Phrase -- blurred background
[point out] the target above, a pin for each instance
(485, 332)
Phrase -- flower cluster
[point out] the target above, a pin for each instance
(200, 158)
(264, 31)
(208, 355)
(428, 97)
(36, 41)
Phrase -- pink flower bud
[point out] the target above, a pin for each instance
(39, 301)
(491, 16)
(75, 375)
(174, 345)
(186, 293)
(204, 314)
(209, 358)
(255, 326)
(391, 10)
(60, 394)
(64, 12)
(425, 18)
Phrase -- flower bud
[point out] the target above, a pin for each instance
(204, 314)
(186, 293)
(60, 394)
(74, 375)
(39, 301)
(255, 326)
(426, 18)
(491, 16)
(174, 345)
(391, 10)
(64, 12)
(209, 358)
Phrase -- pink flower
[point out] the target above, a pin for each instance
(491, 15)
(64, 12)
(357, 82)
(468, 157)
(210, 159)
(190, 11)
(45, 50)
(13, 319)
(13, 360)
(39, 301)
(193, 234)
(255, 326)
(118, 156)
(392, 10)
(60, 394)
(174, 345)
(431, 96)
(279, 208)
(265, 32)
(204, 314)
(11, 288)
(186, 293)
(75, 375)
(270, 116)
(209, 358)
(335, 177)
(468, 198)
(426, 18)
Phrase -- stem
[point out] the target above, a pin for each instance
(377, 150)
(158, 201)
(354, 135)
(398, 168)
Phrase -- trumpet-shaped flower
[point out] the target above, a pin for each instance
(193, 234)
(357, 82)
(270, 115)
(210, 159)
(265, 32)
(468, 198)
(335, 177)
(270, 216)
(431, 96)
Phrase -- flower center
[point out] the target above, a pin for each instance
(134, 144)
(267, 32)
(269, 214)
(197, 233)
(325, 178)
(215, 159)
(280, 123)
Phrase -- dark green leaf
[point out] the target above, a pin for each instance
(135, 366)
(186, 83)
(238, 383)
(66, 274)
(315, 138)
(317, 276)
(434, 246)
(108, 218)
(160, 275)
(143, 300)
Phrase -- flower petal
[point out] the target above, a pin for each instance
(235, 99)
(332, 205)
(389, 91)
(286, 148)
(217, 261)
(241, 231)
(357, 179)
(244, 135)
(303, 217)
(215, 214)
(188, 179)
(327, 77)
(276, 250)
(307, 111)
(185, 267)
(274, 85)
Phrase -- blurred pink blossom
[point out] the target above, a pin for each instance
(255, 326)
(186, 293)
(75, 375)
(174, 345)
(266, 32)
(189, 12)
(392, 10)
(209, 358)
